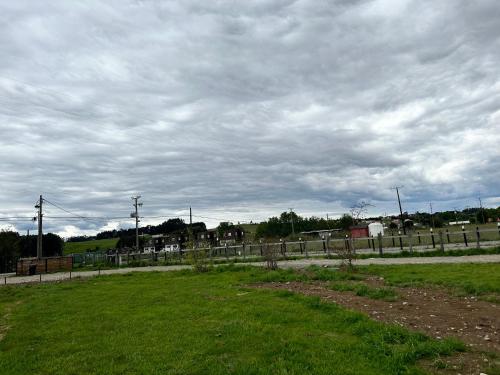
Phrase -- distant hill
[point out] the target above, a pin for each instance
(90, 245)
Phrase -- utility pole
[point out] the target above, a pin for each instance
(482, 210)
(400, 209)
(291, 219)
(432, 214)
(191, 237)
(39, 240)
(135, 214)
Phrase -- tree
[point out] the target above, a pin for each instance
(359, 209)
(52, 245)
(9, 249)
(345, 221)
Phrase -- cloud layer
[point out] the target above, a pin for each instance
(244, 109)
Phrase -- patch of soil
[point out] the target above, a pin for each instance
(431, 311)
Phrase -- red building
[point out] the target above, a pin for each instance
(359, 231)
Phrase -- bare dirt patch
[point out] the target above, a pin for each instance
(432, 311)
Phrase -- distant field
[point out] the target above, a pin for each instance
(249, 230)
(94, 245)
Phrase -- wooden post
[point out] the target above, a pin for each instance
(400, 241)
(419, 240)
(433, 242)
(328, 246)
(379, 238)
(448, 235)
(393, 243)
(478, 237)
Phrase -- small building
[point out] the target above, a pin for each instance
(34, 266)
(375, 228)
(358, 231)
(208, 237)
(322, 232)
(233, 235)
(160, 243)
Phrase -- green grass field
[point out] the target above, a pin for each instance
(94, 245)
(211, 323)
(477, 279)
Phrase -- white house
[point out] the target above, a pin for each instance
(375, 228)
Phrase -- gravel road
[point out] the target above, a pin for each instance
(300, 263)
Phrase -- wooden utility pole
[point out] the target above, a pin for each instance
(432, 215)
(400, 209)
(482, 210)
(136, 215)
(40, 229)
(191, 237)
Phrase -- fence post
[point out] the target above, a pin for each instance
(379, 238)
(393, 243)
(448, 235)
(351, 242)
(225, 249)
(305, 249)
(441, 242)
(243, 249)
(478, 237)
(300, 245)
(324, 244)
(465, 236)
(373, 243)
(432, 237)
(400, 240)
(410, 240)
(328, 244)
(419, 240)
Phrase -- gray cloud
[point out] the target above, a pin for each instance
(245, 109)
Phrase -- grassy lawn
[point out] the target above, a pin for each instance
(82, 247)
(467, 278)
(186, 323)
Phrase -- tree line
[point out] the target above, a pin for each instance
(13, 246)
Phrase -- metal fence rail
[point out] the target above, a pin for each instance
(393, 243)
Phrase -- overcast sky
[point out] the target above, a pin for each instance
(244, 109)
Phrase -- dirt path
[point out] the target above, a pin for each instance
(432, 311)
